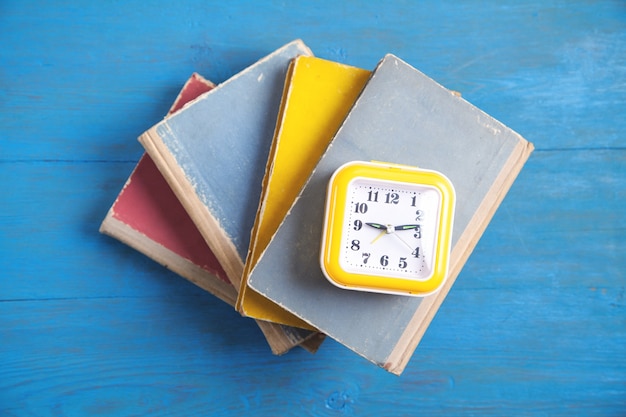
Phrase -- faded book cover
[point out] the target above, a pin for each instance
(213, 154)
(148, 217)
(403, 117)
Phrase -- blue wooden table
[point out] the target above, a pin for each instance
(535, 324)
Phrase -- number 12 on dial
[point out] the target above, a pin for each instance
(387, 228)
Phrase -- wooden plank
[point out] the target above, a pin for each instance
(131, 357)
(569, 205)
(48, 244)
(536, 62)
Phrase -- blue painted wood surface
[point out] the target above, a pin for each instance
(535, 324)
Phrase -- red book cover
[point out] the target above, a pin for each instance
(148, 217)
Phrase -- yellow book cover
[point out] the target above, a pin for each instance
(317, 97)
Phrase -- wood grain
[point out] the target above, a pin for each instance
(536, 321)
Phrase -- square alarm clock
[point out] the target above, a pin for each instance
(387, 228)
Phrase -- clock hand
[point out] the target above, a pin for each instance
(389, 229)
(407, 227)
(403, 241)
(385, 229)
(381, 234)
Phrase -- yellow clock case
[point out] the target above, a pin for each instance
(334, 222)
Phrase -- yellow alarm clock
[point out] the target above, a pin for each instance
(387, 228)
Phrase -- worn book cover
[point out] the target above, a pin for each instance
(148, 217)
(213, 154)
(317, 97)
(403, 117)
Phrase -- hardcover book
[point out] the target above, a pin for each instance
(317, 97)
(213, 154)
(148, 217)
(401, 117)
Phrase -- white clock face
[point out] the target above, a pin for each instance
(390, 229)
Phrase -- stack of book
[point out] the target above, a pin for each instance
(230, 193)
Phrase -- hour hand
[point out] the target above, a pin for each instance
(407, 227)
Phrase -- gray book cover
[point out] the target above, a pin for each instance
(219, 145)
(402, 117)
(213, 154)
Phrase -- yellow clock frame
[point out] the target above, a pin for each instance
(335, 222)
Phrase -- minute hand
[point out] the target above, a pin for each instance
(377, 225)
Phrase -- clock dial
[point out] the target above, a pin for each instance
(389, 229)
